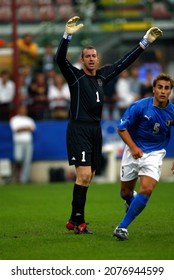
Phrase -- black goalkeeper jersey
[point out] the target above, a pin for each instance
(87, 92)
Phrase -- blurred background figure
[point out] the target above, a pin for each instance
(25, 77)
(38, 93)
(22, 89)
(110, 111)
(59, 98)
(22, 128)
(50, 76)
(124, 94)
(7, 92)
(78, 63)
(26, 70)
(87, 9)
(28, 51)
(46, 62)
(146, 87)
(135, 83)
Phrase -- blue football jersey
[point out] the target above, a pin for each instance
(148, 125)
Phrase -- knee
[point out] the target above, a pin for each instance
(124, 193)
(146, 190)
(84, 179)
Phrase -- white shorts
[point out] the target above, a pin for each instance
(149, 165)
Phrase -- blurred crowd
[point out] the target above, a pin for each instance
(39, 86)
(45, 93)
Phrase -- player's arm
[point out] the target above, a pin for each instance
(129, 118)
(23, 129)
(115, 69)
(125, 136)
(60, 58)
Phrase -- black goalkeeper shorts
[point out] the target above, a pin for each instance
(84, 144)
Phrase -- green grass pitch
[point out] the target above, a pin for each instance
(33, 217)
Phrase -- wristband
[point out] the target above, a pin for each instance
(144, 43)
(67, 36)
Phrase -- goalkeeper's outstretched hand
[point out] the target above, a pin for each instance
(71, 26)
(151, 35)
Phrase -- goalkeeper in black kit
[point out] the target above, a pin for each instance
(84, 137)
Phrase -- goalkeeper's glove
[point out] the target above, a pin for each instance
(71, 27)
(151, 35)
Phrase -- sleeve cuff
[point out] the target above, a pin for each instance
(67, 36)
(144, 43)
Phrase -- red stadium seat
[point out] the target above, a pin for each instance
(159, 10)
(65, 12)
(64, 2)
(46, 12)
(43, 2)
(5, 2)
(23, 2)
(26, 13)
(5, 13)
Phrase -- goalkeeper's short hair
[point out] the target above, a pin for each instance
(89, 47)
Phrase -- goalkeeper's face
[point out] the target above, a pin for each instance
(89, 60)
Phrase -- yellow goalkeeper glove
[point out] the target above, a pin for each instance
(71, 27)
(151, 35)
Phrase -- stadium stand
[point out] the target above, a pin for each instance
(5, 13)
(160, 10)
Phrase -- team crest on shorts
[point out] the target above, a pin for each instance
(100, 83)
(169, 122)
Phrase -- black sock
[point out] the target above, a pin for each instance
(78, 204)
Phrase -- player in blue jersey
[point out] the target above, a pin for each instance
(145, 128)
(87, 86)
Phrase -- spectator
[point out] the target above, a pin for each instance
(78, 64)
(26, 70)
(22, 128)
(50, 76)
(146, 88)
(22, 90)
(59, 98)
(110, 111)
(47, 59)
(7, 93)
(28, 51)
(38, 91)
(24, 78)
(124, 94)
(135, 83)
(87, 9)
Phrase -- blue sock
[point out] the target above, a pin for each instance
(136, 207)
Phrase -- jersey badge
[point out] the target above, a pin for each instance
(100, 83)
(169, 122)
